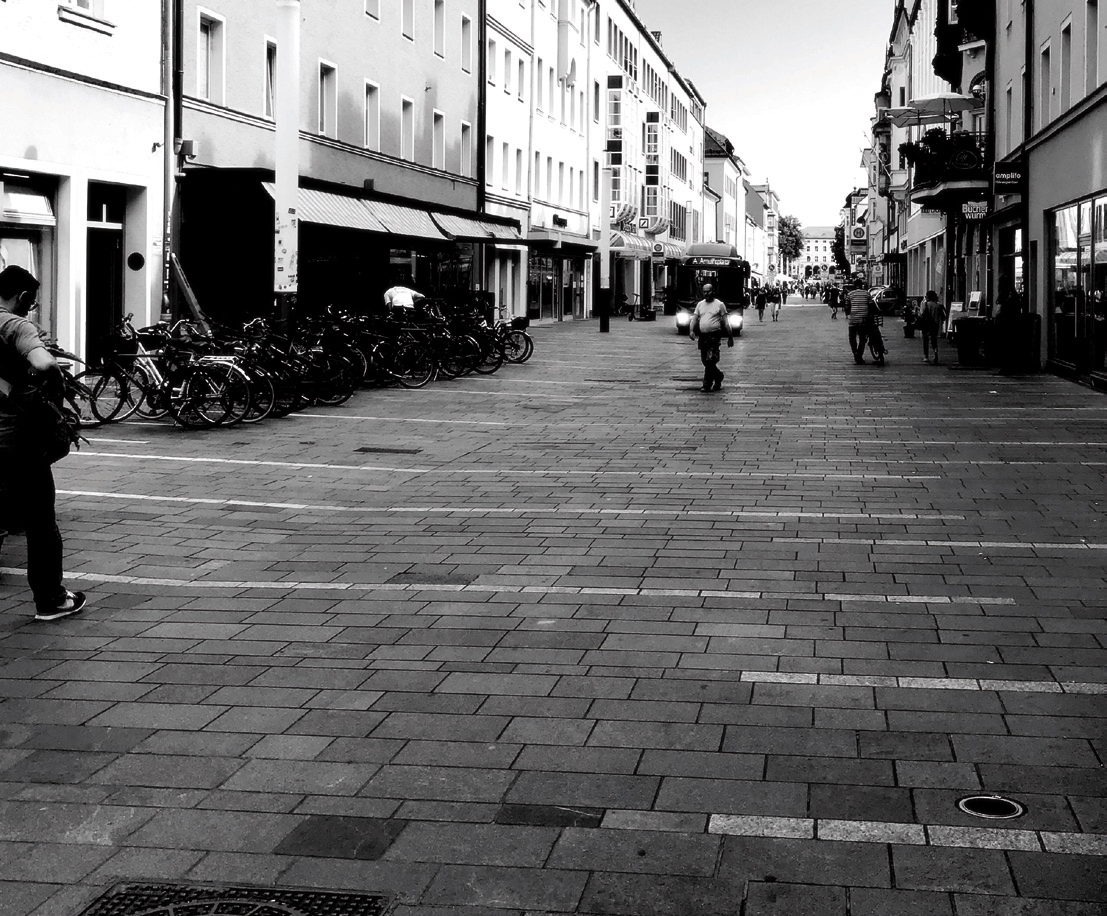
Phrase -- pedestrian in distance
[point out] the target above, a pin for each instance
(931, 319)
(25, 475)
(779, 298)
(832, 297)
(709, 323)
(761, 300)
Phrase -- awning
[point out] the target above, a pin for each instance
(545, 239)
(669, 251)
(630, 246)
(400, 220)
(473, 229)
(328, 209)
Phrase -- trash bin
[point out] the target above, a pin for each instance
(969, 334)
(1019, 340)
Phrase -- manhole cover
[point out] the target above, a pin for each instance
(207, 900)
(993, 807)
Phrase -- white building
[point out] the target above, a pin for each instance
(818, 253)
(81, 164)
(725, 171)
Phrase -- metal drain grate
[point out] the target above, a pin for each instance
(993, 807)
(209, 900)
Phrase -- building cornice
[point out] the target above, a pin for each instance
(23, 63)
(496, 26)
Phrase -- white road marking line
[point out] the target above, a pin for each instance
(500, 588)
(538, 510)
(939, 835)
(496, 472)
(405, 420)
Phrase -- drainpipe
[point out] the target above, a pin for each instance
(1027, 121)
(169, 159)
(479, 250)
(286, 241)
(482, 104)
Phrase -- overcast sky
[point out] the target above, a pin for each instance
(790, 82)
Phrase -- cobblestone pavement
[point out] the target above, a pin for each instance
(579, 638)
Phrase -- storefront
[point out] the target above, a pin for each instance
(1076, 272)
(351, 248)
(558, 275)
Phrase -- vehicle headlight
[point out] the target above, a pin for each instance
(683, 319)
(734, 319)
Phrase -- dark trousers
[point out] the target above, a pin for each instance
(29, 505)
(709, 345)
(858, 339)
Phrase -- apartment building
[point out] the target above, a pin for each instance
(725, 171)
(81, 160)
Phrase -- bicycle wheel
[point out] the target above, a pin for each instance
(492, 355)
(153, 402)
(518, 346)
(199, 399)
(263, 396)
(236, 386)
(108, 393)
(412, 365)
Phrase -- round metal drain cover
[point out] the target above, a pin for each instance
(994, 807)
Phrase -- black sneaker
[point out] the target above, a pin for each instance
(73, 603)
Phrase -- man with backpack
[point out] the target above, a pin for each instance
(25, 475)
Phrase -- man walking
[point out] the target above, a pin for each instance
(25, 475)
(709, 324)
(857, 304)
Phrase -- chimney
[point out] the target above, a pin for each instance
(657, 38)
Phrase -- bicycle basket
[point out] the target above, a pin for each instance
(520, 323)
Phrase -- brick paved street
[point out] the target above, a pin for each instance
(579, 638)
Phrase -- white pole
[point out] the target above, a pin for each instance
(169, 156)
(287, 113)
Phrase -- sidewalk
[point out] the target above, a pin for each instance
(580, 638)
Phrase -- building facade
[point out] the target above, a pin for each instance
(82, 181)
(725, 171)
(817, 259)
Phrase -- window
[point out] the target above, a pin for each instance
(407, 18)
(466, 170)
(1066, 68)
(492, 62)
(407, 129)
(373, 8)
(596, 101)
(541, 95)
(572, 186)
(328, 100)
(438, 140)
(489, 160)
(1045, 88)
(549, 178)
(1091, 47)
(372, 116)
(210, 59)
(522, 78)
(270, 78)
(561, 182)
(537, 173)
(1009, 120)
(582, 189)
(440, 27)
(505, 160)
(466, 44)
(518, 171)
(507, 71)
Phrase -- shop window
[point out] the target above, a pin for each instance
(1065, 284)
(1097, 285)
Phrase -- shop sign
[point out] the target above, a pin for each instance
(975, 210)
(1007, 178)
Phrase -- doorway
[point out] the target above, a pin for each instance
(107, 205)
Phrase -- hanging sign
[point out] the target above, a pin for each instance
(1007, 178)
(975, 210)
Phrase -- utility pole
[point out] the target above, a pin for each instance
(286, 108)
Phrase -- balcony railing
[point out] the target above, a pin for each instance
(941, 158)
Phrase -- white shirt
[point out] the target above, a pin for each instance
(402, 296)
(710, 317)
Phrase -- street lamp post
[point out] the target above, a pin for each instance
(605, 250)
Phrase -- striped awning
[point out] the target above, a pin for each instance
(473, 229)
(400, 220)
(630, 246)
(328, 209)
